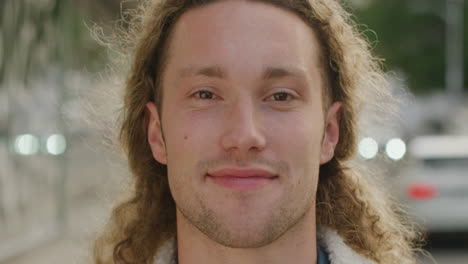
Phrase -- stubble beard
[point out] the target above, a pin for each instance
(281, 220)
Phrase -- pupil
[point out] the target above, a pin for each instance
(205, 95)
(281, 96)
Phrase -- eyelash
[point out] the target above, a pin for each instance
(290, 95)
(203, 91)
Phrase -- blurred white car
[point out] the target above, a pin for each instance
(435, 182)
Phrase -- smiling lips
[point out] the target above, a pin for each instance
(242, 179)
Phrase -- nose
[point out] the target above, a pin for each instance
(243, 129)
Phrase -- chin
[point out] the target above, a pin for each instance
(244, 239)
(244, 233)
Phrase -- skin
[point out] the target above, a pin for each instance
(243, 89)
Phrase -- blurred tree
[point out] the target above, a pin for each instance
(35, 35)
(411, 38)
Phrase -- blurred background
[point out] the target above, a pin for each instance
(59, 176)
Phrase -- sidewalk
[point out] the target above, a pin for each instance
(74, 248)
(69, 250)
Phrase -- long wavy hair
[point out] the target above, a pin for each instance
(347, 200)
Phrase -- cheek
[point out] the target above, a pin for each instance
(188, 136)
(297, 140)
(297, 135)
(181, 142)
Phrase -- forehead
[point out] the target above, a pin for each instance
(243, 34)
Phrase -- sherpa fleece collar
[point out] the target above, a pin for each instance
(329, 240)
(338, 251)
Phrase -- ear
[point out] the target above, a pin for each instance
(155, 135)
(332, 132)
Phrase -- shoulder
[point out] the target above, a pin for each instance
(338, 251)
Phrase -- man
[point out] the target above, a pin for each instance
(239, 121)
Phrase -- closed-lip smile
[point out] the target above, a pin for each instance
(242, 179)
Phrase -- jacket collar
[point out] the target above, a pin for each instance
(328, 239)
(338, 251)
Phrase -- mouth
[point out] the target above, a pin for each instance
(242, 179)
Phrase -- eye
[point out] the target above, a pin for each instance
(281, 96)
(204, 95)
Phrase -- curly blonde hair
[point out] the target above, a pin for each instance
(347, 201)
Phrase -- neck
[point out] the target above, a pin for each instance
(297, 245)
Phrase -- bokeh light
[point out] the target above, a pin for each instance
(368, 148)
(26, 144)
(395, 149)
(56, 144)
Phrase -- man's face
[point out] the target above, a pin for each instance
(243, 121)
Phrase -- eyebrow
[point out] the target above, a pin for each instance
(208, 71)
(281, 72)
(276, 72)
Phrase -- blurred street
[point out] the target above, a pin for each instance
(450, 256)
(93, 180)
(75, 247)
(450, 248)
